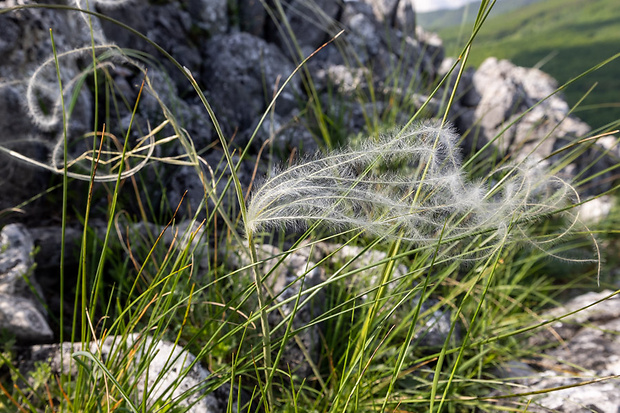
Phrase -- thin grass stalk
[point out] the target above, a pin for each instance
(288, 320)
(356, 362)
(65, 186)
(411, 331)
(471, 325)
(112, 209)
(372, 311)
(107, 373)
(455, 88)
(580, 142)
(94, 163)
(82, 262)
(250, 239)
(129, 305)
(287, 332)
(482, 15)
(294, 49)
(388, 269)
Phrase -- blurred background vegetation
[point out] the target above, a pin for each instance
(561, 37)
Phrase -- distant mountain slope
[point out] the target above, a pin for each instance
(564, 38)
(440, 19)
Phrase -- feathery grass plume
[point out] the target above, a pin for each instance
(43, 103)
(42, 95)
(407, 184)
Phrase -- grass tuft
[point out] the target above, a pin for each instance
(385, 225)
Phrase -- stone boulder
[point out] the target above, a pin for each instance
(178, 27)
(399, 14)
(173, 375)
(520, 110)
(241, 73)
(502, 92)
(22, 304)
(583, 348)
(251, 17)
(375, 67)
(312, 23)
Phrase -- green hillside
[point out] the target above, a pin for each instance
(437, 20)
(562, 37)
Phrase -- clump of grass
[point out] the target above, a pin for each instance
(408, 187)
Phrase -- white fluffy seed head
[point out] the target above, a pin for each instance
(408, 184)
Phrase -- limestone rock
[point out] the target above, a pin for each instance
(48, 240)
(504, 93)
(365, 36)
(210, 15)
(30, 113)
(22, 318)
(432, 47)
(16, 262)
(596, 210)
(567, 327)
(174, 375)
(299, 274)
(313, 22)
(589, 351)
(436, 325)
(241, 73)
(252, 17)
(396, 13)
(374, 58)
(363, 264)
(286, 136)
(21, 298)
(169, 25)
(405, 18)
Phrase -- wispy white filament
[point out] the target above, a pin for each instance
(409, 185)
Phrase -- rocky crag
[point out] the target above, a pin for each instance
(379, 71)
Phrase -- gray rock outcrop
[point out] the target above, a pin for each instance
(521, 112)
(500, 95)
(382, 64)
(242, 73)
(173, 375)
(30, 112)
(396, 13)
(581, 348)
(312, 23)
(22, 311)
